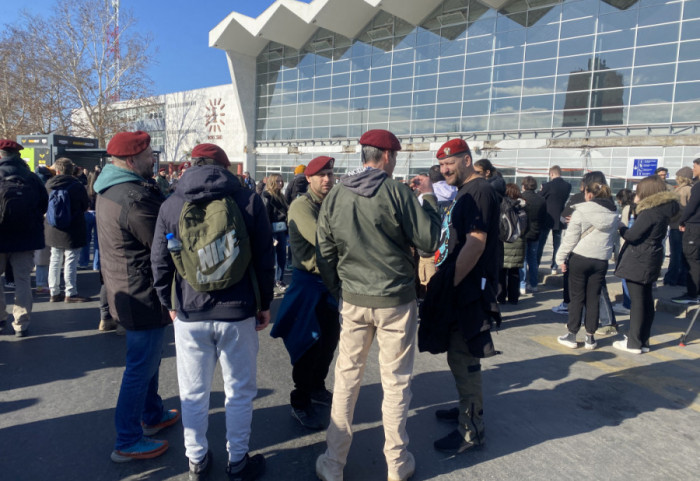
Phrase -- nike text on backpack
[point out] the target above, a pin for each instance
(58, 213)
(18, 202)
(512, 221)
(215, 249)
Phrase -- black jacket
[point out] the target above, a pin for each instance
(30, 235)
(126, 213)
(555, 192)
(75, 236)
(641, 257)
(298, 187)
(691, 212)
(276, 207)
(536, 214)
(202, 183)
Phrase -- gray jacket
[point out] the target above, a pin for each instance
(595, 243)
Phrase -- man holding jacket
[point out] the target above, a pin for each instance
(217, 323)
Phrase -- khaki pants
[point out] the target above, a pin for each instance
(426, 269)
(466, 370)
(395, 329)
(22, 263)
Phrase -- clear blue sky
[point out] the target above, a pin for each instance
(180, 32)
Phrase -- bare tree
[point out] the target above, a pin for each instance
(89, 64)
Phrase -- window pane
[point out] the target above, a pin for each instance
(536, 120)
(378, 101)
(450, 79)
(423, 126)
(425, 82)
(475, 108)
(571, 100)
(616, 59)
(424, 112)
(480, 44)
(508, 55)
(402, 85)
(614, 116)
(570, 118)
(474, 92)
(688, 71)
(658, 54)
(658, 34)
(576, 28)
(453, 94)
(615, 40)
(424, 97)
(540, 69)
(507, 89)
(617, 21)
(691, 10)
(449, 110)
(379, 88)
(401, 71)
(474, 124)
(447, 125)
(504, 122)
(688, 91)
(652, 95)
(427, 67)
(569, 83)
(401, 100)
(476, 60)
(654, 75)
(477, 76)
(452, 63)
(670, 12)
(576, 46)
(378, 74)
(574, 64)
(686, 112)
(505, 105)
(508, 72)
(610, 97)
(542, 33)
(689, 50)
(538, 86)
(537, 102)
(650, 114)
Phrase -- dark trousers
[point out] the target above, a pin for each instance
(280, 253)
(691, 251)
(565, 291)
(586, 278)
(641, 315)
(677, 266)
(509, 285)
(310, 371)
(556, 242)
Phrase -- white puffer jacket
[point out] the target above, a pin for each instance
(598, 243)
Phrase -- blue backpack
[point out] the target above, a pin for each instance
(58, 213)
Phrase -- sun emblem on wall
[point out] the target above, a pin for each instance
(215, 115)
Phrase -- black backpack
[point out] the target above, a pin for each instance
(18, 202)
(512, 221)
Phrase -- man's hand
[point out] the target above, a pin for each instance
(173, 315)
(563, 267)
(263, 319)
(681, 228)
(422, 184)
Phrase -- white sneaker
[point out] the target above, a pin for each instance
(622, 346)
(620, 309)
(554, 272)
(523, 291)
(562, 308)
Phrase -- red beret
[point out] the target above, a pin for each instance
(381, 139)
(185, 165)
(162, 169)
(318, 164)
(211, 151)
(7, 144)
(128, 144)
(452, 147)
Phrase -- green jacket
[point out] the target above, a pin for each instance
(301, 218)
(367, 226)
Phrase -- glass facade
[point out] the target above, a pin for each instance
(534, 64)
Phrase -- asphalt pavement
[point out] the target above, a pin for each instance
(551, 413)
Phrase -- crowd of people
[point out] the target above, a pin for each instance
(369, 255)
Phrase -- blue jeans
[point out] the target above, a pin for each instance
(91, 229)
(626, 301)
(530, 265)
(677, 272)
(280, 253)
(138, 397)
(556, 242)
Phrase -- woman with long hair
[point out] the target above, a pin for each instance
(276, 206)
(641, 257)
(589, 241)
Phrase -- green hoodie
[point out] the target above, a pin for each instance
(366, 228)
(112, 175)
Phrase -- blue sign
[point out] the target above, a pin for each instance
(644, 167)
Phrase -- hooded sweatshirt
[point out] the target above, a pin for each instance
(590, 231)
(201, 184)
(366, 228)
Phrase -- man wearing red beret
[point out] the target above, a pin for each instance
(366, 228)
(459, 305)
(219, 318)
(23, 202)
(128, 201)
(162, 182)
(308, 317)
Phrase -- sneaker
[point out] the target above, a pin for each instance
(523, 291)
(107, 325)
(146, 448)
(21, 333)
(199, 471)
(620, 309)
(76, 298)
(323, 471)
(606, 330)
(447, 415)
(685, 299)
(248, 469)
(622, 346)
(568, 340)
(645, 349)
(590, 343)
(322, 396)
(554, 272)
(454, 443)
(56, 298)
(562, 308)
(168, 419)
(308, 418)
(41, 290)
(410, 469)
